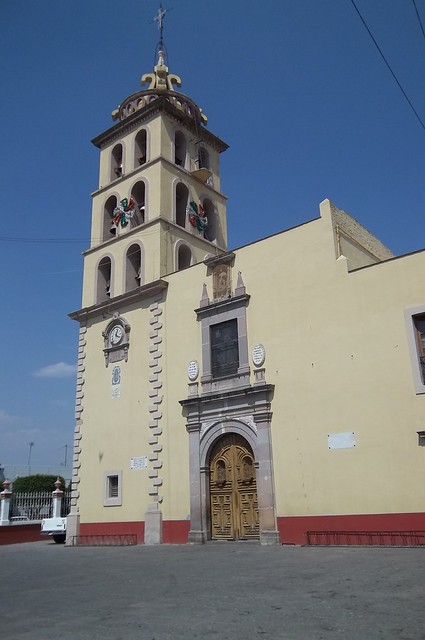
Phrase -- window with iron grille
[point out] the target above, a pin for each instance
(113, 486)
(113, 483)
(224, 349)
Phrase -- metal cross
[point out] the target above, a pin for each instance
(159, 18)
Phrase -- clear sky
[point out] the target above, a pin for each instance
(296, 88)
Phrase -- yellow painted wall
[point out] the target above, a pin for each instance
(337, 354)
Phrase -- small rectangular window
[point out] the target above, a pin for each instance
(224, 349)
(415, 325)
(113, 487)
(113, 482)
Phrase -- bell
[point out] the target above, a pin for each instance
(113, 229)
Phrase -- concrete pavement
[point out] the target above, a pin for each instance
(221, 590)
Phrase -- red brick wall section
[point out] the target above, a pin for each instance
(16, 533)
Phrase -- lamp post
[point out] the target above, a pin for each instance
(31, 444)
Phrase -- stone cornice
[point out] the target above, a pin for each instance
(139, 230)
(109, 306)
(160, 105)
(226, 303)
(197, 401)
(138, 170)
(226, 258)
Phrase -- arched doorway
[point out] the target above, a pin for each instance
(233, 490)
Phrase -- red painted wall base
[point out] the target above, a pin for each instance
(173, 531)
(16, 533)
(293, 529)
(113, 528)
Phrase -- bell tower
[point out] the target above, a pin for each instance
(158, 207)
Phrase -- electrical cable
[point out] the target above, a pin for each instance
(419, 18)
(388, 65)
(62, 240)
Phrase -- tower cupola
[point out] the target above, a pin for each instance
(159, 207)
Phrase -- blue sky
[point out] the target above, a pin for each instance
(297, 89)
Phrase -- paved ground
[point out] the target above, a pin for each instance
(218, 591)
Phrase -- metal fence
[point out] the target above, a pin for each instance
(66, 503)
(366, 538)
(34, 506)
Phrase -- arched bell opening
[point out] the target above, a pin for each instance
(181, 202)
(140, 148)
(116, 162)
(138, 193)
(108, 227)
(180, 149)
(211, 216)
(133, 267)
(104, 274)
(184, 257)
(202, 169)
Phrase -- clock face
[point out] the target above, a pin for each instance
(116, 335)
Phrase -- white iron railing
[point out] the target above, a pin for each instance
(27, 507)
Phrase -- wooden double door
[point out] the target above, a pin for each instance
(233, 490)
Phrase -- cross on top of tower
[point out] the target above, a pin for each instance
(159, 18)
(160, 83)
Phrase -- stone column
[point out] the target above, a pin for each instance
(196, 533)
(57, 496)
(5, 496)
(269, 534)
(153, 525)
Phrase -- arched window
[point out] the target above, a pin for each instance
(133, 267)
(182, 196)
(210, 212)
(108, 213)
(138, 192)
(140, 151)
(104, 272)
(184, 257)
(179, 149)
(116, 162)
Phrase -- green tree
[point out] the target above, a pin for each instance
(39, 482)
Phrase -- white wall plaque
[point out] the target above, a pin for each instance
(116, 382)
(342, 440)
(192, 370)
(258, 355)
(139, 462)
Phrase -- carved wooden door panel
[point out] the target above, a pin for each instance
(233, 490)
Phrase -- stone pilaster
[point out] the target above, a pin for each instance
(269, 534)
(73, 518)
(153, 515)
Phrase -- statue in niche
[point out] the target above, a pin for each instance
(221, 472)
(221, 282)
(247, 470)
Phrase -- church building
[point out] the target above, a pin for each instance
(274, 392)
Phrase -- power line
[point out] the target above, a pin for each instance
(388, 65)
(419, 18)
(62, 240)
(44, 240)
